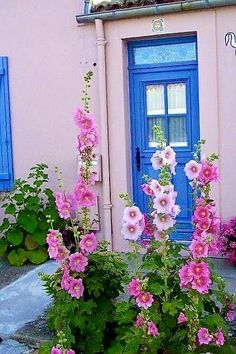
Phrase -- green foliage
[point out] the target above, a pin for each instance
(29, 211)
(88, 323)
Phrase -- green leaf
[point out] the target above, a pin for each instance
(28, 220)
(3, 246)
(10, 209)
(4, 225)
(38, 256)
(39, 236)
(17, 257)
(155, 288)
(15, 237)
(30, 244)
(33, 203)
(19, 198)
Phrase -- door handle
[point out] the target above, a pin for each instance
(138, 159)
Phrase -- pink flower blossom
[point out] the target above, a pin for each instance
(70, 351)
(87, 199)
(88, 243)
(163, 203)
(131, 231)
(79, 115)
(185, 276)
(66, 203)
(219, 338)
(64, 210)
(181, 318)
(144, 299)
(155, 186)
(175, 210)
(80, 188)
(56, 350)
(132, 215)
(66, 279)
(201, 284)
(147, 190)
(192, 169)
(139, 321)
(53, 237)
(152, 329)
(201, 212)
(208, 173)
(168, 156)
(156, 160)
(199, 249)
(199, 269)
(204, 224)
(163, 221)
(78, 262)
(86, 123)
(53, 251)
(87, 138)
(62, 253)
(134, 287)
(204, 336)
(76, 288)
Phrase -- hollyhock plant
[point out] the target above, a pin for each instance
(204, 337)
(192, 169)
(76, 288)
(88, 243)
(228, 239)
(132, 215)
(181, 318)
(78, 262)
(135, 287)
(152, 329)
(144, 299)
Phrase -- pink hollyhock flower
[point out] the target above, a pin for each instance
(208, 173)
(181, 318)
(163, 203)
(56, 350)
(64, 210)
(147, 190)
(86, 123)
(53, 237)
(79, 115)
(175, 210)
(88, 243)
(199, 269)
(65, 280)
(144, 299)
(201, 284)
(134, 287)
(199, 249)
(163, 221)
(168, 156)
(156, 160)
(53, 251)
(204, 224)
(152, 329)
(155, 186)
(88, 138)
(131, 232)
(62, 253)
(76, 288)
(185, 276)
(200, 201)
(159, 236)
(70, 351)
(70, 198)
(60, 198)
(139, 321)
(192, 169)
(201, 212)
(231, 315)
(80, 188)
(87, 199)
(78, 262)
(203, 335)
(219, 338)
(132, 215)
(148, 228)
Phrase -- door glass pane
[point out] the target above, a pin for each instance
(167, 53)
(176, 98)
(152, 141)
(155, 99)
(177, 131)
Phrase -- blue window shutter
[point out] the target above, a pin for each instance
(6, 166)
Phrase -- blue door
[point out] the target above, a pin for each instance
(164, 91)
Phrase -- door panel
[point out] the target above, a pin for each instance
(169, 98)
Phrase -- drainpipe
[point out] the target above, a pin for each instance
(102, 83)
(86, 7)
(153, 10)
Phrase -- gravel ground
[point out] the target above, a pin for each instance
(8, 273)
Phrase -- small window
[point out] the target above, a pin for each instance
(6, 168)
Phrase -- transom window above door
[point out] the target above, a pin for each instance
(166, 106)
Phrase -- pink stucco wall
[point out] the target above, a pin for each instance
(48, 55)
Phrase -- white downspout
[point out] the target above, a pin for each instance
(102, 86)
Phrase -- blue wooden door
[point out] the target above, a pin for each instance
(166, 95)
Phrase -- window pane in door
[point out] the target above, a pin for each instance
(176, 98)
(177, 131)
(152, 141)
(155, 99)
